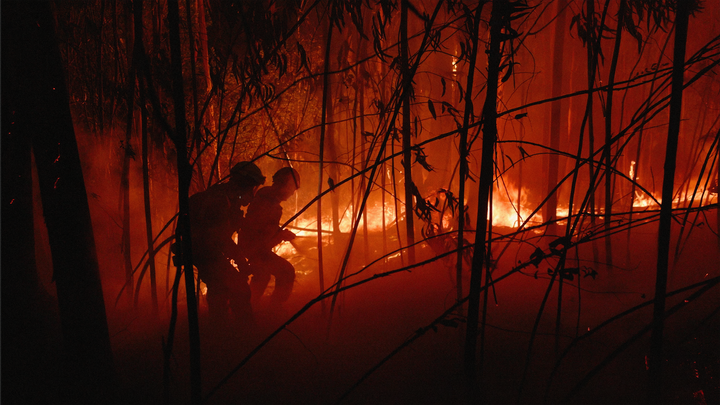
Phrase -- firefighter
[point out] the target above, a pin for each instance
(261, 232)
(215, 215)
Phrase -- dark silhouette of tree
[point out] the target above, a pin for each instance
(557, 130)
(29, 315)
(406, 120)
(38, 101)
(182, 234)
(655, 357)
(499, 21)
(277, 81)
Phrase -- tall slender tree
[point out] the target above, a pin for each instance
(557, 130)
(182, 234)
(607, 148)
(128, 154)
(28, 312)
(40, 102)
(321, 154)
(463, 147)
(406, 120)
(655, 358)
(499, 19)
(137, 48)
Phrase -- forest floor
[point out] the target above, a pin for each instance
(317, 361)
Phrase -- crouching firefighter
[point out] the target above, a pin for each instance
(261, 232)
(215, 215)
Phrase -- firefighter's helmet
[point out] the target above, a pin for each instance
(247, 172)
(285, 175)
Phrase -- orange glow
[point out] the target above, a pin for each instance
(307, 227)
(507, 212)
(374, 217)
(285, 250)
(643, 200)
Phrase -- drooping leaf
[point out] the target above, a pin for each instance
(590, 272)
(421, 158)
(422, 209)
(507, 74)
(431, 107)
(569, 273)
(450, 109)
(523, 154)
(303, 58)
(396, 135)
(536, 257)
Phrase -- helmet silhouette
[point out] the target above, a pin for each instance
(286, 175)
(247, 171)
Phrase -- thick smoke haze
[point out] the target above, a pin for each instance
(583, 114)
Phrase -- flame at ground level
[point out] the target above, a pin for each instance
(507, 211)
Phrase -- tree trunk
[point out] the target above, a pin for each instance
(393, 181)
(28, 314)
(101, 107)
(193, 81)
(485, 182)
(203, 37)
(321, 155)
(469, 114)
(182, 234)
(138, 24)
(360, 130)
(148, 212)
(330, 140)
(556, 127)
(407, 119)
(608, 139)
(128, 153)
(42, 111)
(594, 46)
(655, 358)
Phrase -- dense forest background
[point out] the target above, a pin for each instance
(501, 201)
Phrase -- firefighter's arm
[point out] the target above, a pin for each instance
(281, 235)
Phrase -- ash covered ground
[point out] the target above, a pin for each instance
(314, 360)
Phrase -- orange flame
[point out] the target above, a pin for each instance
(507, 212)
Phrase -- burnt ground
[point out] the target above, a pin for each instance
(309, 362)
